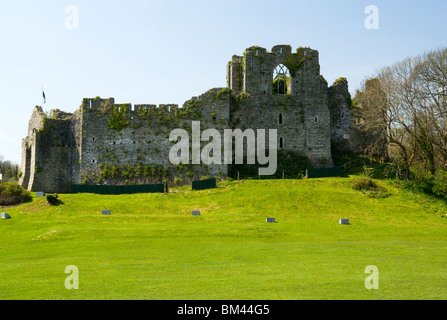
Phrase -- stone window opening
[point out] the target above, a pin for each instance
(281, 80)
(316, 119)
(280, 118)
(281, 143)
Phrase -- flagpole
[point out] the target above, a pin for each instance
(43, 97)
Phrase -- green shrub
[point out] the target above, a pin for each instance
(363, 184)
(422, 181)
(440, 184)
(368, 171)
(12, 194)
(53, 200)
(178, 181)
(369, 187)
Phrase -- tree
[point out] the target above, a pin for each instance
(407, 103)
(8, 170)
(432, 92)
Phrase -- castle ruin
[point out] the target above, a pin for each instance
(107, 143)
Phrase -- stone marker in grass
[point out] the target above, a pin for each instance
(5, 215)
(344, 221)
(270, 220)
(196, 213)
(40, 194)
(106, 212)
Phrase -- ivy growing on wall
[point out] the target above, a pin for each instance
(141, 174)
(118, 118)
(294, 62)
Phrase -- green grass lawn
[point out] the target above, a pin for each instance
(151, 247)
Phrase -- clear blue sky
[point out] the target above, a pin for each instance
(168, 51)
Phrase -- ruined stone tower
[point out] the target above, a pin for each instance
(108, 143)
(284, 91)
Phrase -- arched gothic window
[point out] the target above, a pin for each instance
(281, 80)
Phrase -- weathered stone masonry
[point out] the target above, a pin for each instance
(63, 149)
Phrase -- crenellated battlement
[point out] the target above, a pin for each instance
(108, 105)
(97, 103)
(211, 107)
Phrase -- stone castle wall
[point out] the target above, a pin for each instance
(345, 136)
(50, 155)
(108, 143)
(140, 134)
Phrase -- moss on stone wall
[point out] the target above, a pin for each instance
(191, 110)
(222, 93)
(118, 118)
(294, 62)
(140, 174)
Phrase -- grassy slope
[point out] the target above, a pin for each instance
(152, 248)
